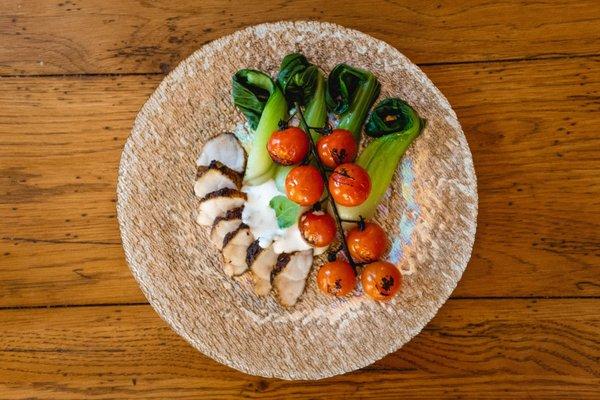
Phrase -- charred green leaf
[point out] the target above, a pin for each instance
(350, 93)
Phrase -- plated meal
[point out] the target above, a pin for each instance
(299, 181)
(284, 206)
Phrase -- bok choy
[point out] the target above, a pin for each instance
(395, 125)
(350, 94)
(303, 83)
(261, 100)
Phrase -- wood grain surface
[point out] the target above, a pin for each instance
(99, 36)
(473, 348)
(532, 124)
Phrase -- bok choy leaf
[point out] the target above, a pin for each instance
(304, 83)
(396, 125)
(261, 100)
(350, 93)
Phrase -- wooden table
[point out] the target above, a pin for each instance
(524, 78)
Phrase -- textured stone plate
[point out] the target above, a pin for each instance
(430, 213)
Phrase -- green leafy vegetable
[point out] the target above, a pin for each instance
(350, 93)
(251, 90)
(315, 111)
(396, 125)
(304, 83)
(287, 211)
(262, 102)
(390, 116)
(297, 78)
(281, 173)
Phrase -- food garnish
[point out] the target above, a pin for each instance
(286, 211)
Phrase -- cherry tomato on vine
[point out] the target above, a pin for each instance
(304, 185)
(288, 146)
(339, 147)
(317, 228)
(381, 280)
(336, 278)
(367, 242)
(349, 185)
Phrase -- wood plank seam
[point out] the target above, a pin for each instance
(423, 64)
(59, 241)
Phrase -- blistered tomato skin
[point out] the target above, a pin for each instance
(336, 278)
(288, 146)
(317, 228)
(339, 147)
(304, 185)
(381, 280)
(349, 185)
(367, 244)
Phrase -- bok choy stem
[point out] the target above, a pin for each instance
(396, 125)
(261, 100)
(316, 109)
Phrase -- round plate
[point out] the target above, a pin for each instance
(429, 212)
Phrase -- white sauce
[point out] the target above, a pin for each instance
(291, 240)
(263, 222)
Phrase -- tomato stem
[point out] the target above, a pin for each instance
(361, 223)
(323, 173)
(282, 124)
(323, 131)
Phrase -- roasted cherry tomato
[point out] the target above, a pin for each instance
(349, 185)
(317, 228)
(367, 242)
(336, 278)
(288, 146)
(381, 280)
(304, 185)
(339, 147)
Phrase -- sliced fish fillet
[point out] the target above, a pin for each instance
(261, 262)
(235, 247)
(226, 149)
(224, 225)
(217, 204)
(216, 176)
(290, 274)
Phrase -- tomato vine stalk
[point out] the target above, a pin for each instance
(321, 168)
